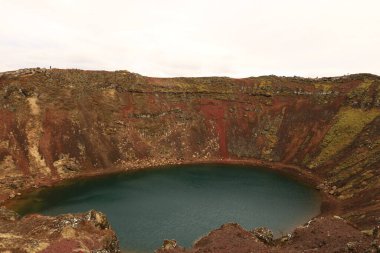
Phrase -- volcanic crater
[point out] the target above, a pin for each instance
(58, 125)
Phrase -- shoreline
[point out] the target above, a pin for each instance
(288, 171)
(329, 204)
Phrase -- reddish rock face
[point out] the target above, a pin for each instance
(87, 232)
(323, 235)
(59, 124)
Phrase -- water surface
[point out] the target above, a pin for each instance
(182, 202)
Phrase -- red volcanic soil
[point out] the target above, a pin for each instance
(330, 234)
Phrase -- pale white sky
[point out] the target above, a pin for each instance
(236, 38)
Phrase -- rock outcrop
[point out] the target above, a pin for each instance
(322, 235)
(88, 232)
(58, 124)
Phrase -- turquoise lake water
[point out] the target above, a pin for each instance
(183, 202)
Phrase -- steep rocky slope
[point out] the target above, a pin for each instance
(58, 124)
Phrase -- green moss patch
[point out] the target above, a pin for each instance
(349, 122)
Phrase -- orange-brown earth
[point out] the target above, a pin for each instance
(61, 124)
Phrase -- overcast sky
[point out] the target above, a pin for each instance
(236, 38)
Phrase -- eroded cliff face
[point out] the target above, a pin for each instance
(57, 124)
